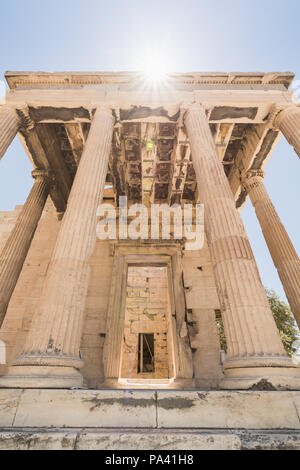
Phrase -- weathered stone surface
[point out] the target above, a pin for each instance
(147, 439)
(172, 409)
(89, 408)
(156, 440)
(34, 440)
(251, 410)
(269, 440)
(9, 401)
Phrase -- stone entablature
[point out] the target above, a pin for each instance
(62, 105)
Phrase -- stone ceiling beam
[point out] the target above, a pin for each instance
(222, 138)
(39, 159)
(76, 139)
(182, 160)
(149, 132)
(254, 152)
(116, 165)
(51, 150)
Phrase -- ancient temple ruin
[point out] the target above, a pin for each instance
(77, 311)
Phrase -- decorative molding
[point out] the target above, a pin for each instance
(65, 79)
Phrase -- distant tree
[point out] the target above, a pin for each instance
(284, 320)
(222, 337)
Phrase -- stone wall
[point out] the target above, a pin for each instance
(202, 302)
(96, 307)
(147, 308)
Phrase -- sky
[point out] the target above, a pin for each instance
(180, 36)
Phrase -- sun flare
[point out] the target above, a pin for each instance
(155, 69)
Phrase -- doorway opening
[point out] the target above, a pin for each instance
(147, 350)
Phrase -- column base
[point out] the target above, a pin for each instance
(41, 377)
(261, 378)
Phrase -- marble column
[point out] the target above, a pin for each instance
(51, 356)
(255, 355)
(288, 121)
(16, 248)
(9, 126)
(280, 246)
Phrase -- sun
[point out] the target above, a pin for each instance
(155, 70)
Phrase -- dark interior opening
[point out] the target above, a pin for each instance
(146, 352)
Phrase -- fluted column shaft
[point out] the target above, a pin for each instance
(280, 246)
(9, 126)
(288, 121)
(16, 248)
(252, 337)
(55, 334)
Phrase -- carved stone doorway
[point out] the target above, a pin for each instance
(147, 352)
(172, 354)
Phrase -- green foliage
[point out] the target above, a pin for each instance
(284, 320)
(222, 338)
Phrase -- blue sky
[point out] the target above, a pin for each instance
(190, 35)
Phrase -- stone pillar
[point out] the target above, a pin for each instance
(9, 126)
(288, 121)
(51, 354)
(18, 243)
(255, 355)
(280, 246)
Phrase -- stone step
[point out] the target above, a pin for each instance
(156, 409)
(145, 382)
(146, 439)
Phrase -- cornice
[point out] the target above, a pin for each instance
(68, 79)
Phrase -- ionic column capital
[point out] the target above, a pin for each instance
(252, 176)
(45, 175)
(279, 113)
(26, 122)
(283, 113)
(102, 108)
(195, 106)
